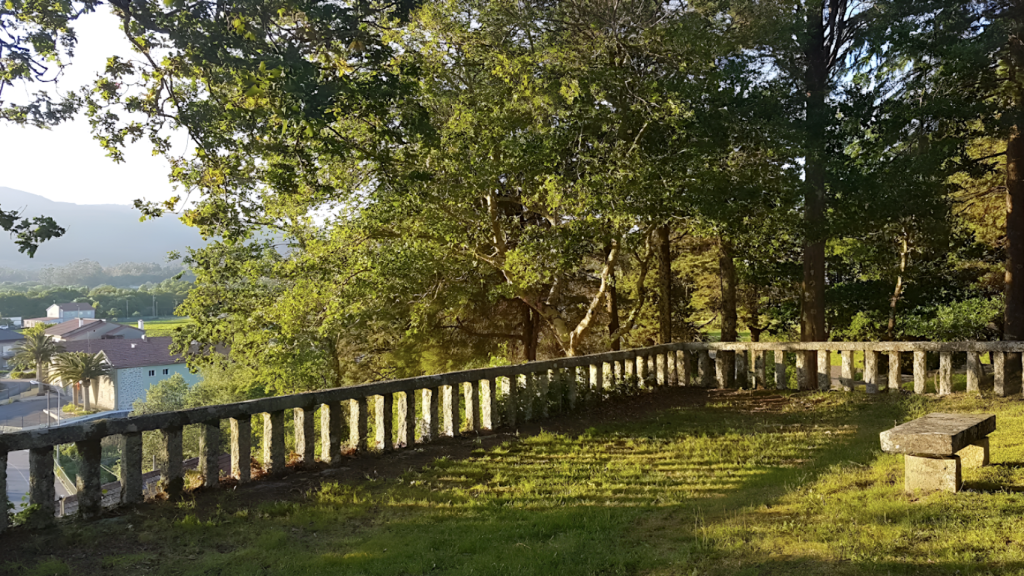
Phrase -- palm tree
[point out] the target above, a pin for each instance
(37, 348)
(75, 367)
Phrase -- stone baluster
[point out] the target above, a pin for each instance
(741, 364)
(432, 413)
(477, 392)
(671, 368)
(574, 377)
(760, 376)
(846, 371)
(512, 399)
(452, 415)
(332, 425)
(824, 370)
(945, 373)
(685, 361)
(358, 424)
(871, 371)
(894, 371)
(384, 422)
(41, 492)
(974, 372)
(171, 480)
(999, 373)
(629, 368)
(705, 369)
(407, 419)
(471, 393)
(661, 368)
(273, 443)
(556, 390)
(209, 452)
(4, 519)
(529, 396)
(595, 382)
(920, 371)
(87, 480)
(725, 368)
(241, 448)
(305, 433)
(131, 468)
(491, 409)
(781, 383)
(802, 382)
(542, 381)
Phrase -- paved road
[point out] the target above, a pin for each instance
(28, 411)
(17, 480)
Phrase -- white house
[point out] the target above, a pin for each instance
(136, 365)
(58, 313)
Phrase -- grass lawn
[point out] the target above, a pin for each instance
(748, 484)
(162, 327)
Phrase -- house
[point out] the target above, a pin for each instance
(136, 365)
(58, 313)
(93, 329)
(8, 340)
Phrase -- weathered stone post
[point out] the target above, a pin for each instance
(476, 394)
(871, 371)
(384, 414)
(241, 448)
(331, 426)
(131, 468)
(512, 399)
(760, 377)
(556, 390)
(945, 373)
(779, 356)
(490, 410)
(661, 370)
(209, 452)
(4, 519)
(407, 419)
(894, 370)
(742, 368)
(359, 424)
(629, 367)
(846, 371)
(572, 383)
(685, 362)
(824, 370)
(999, 373)
(802, 382)
(41, 491)
(452, 420)
(920, 371)
(273, 442)
(543, 384)
(432, 413)
(594, 377)
(305, 433)
(171, 480)
(705, 369)
(974, 372)
(87, 481)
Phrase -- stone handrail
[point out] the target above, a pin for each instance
(496, 396)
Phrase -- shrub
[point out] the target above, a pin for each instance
(21, 375)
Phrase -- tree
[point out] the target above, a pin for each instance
(37, 348)
(79, 367)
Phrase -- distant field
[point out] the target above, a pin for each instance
(161, 327)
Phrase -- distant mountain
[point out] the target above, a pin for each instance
(106, 233)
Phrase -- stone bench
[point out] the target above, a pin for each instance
(936, 445)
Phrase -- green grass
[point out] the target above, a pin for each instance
(731, 488)
(162, 327)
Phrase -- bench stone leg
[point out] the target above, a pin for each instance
(975, 455)
(928, 474)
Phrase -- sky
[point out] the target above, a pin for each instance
(64, 163)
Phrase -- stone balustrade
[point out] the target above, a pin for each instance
(402, 413)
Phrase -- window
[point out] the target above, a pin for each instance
(165, 371)
(152, 372)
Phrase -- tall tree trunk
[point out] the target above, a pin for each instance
(664, 284)
(613, 310)
(727, 275)
(812, 290)
(39, 376)
(1013, 315)
(899, 288)
(85, 394)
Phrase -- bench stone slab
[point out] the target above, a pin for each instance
(938, 434)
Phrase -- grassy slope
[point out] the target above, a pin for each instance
(162, 327)
(726, 489)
